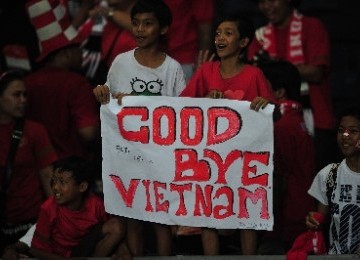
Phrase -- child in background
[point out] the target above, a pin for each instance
(294, 158)
(337, 188)
(73, 222)
(233, 79)
(145, 70)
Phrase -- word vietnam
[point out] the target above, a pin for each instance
(204, 196)
(221, 182)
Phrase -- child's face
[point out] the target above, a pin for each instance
(227, 40)
(146, 30)
(66, 191)
(348, 136)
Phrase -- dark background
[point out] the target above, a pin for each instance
(341, 18)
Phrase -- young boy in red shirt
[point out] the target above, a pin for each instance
(73, 222)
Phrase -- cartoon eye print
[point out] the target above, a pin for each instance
(138, 85)
(154, 86)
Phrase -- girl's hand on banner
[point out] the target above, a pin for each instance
(259, 102)
(215, 94)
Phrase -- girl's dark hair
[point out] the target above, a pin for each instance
(7, 77)
(283, 74)
(81, 169)
(245, 26)
(158, 7)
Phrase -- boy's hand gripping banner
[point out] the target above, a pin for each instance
(188, 161)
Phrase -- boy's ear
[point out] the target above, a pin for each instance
(164, 30)
(83, 186)
(244, 42)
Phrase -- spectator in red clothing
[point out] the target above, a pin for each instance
(59, 97)
(87, 18)
(304, 42)
(27, 185)
(233, 79)
(294, 156)
(190, 32)
(117, 37)
(73, 221)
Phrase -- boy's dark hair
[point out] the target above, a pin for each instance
(7, 77)
(161, 11)
(283, 74)
(352, 109)
(80, 168)
(245, 26)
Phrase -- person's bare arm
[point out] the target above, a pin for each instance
(89, 133)
(16, 251)
(121, 18)
(311, 222)
(83, 13)
(311, 73)
(203, 56)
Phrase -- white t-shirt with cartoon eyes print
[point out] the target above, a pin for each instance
(128, 76)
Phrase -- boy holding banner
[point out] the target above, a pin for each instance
(145, 70)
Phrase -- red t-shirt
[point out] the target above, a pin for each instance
(294, 162)
(59, 229)
(183, 32)
(35, 152)
(248, 84)
(63, 102)
(115, 40)
(316, 47)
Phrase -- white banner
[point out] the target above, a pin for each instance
(188, 161)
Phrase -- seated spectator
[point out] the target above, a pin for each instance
(73, 221)
(336, 189)
(26, 156)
